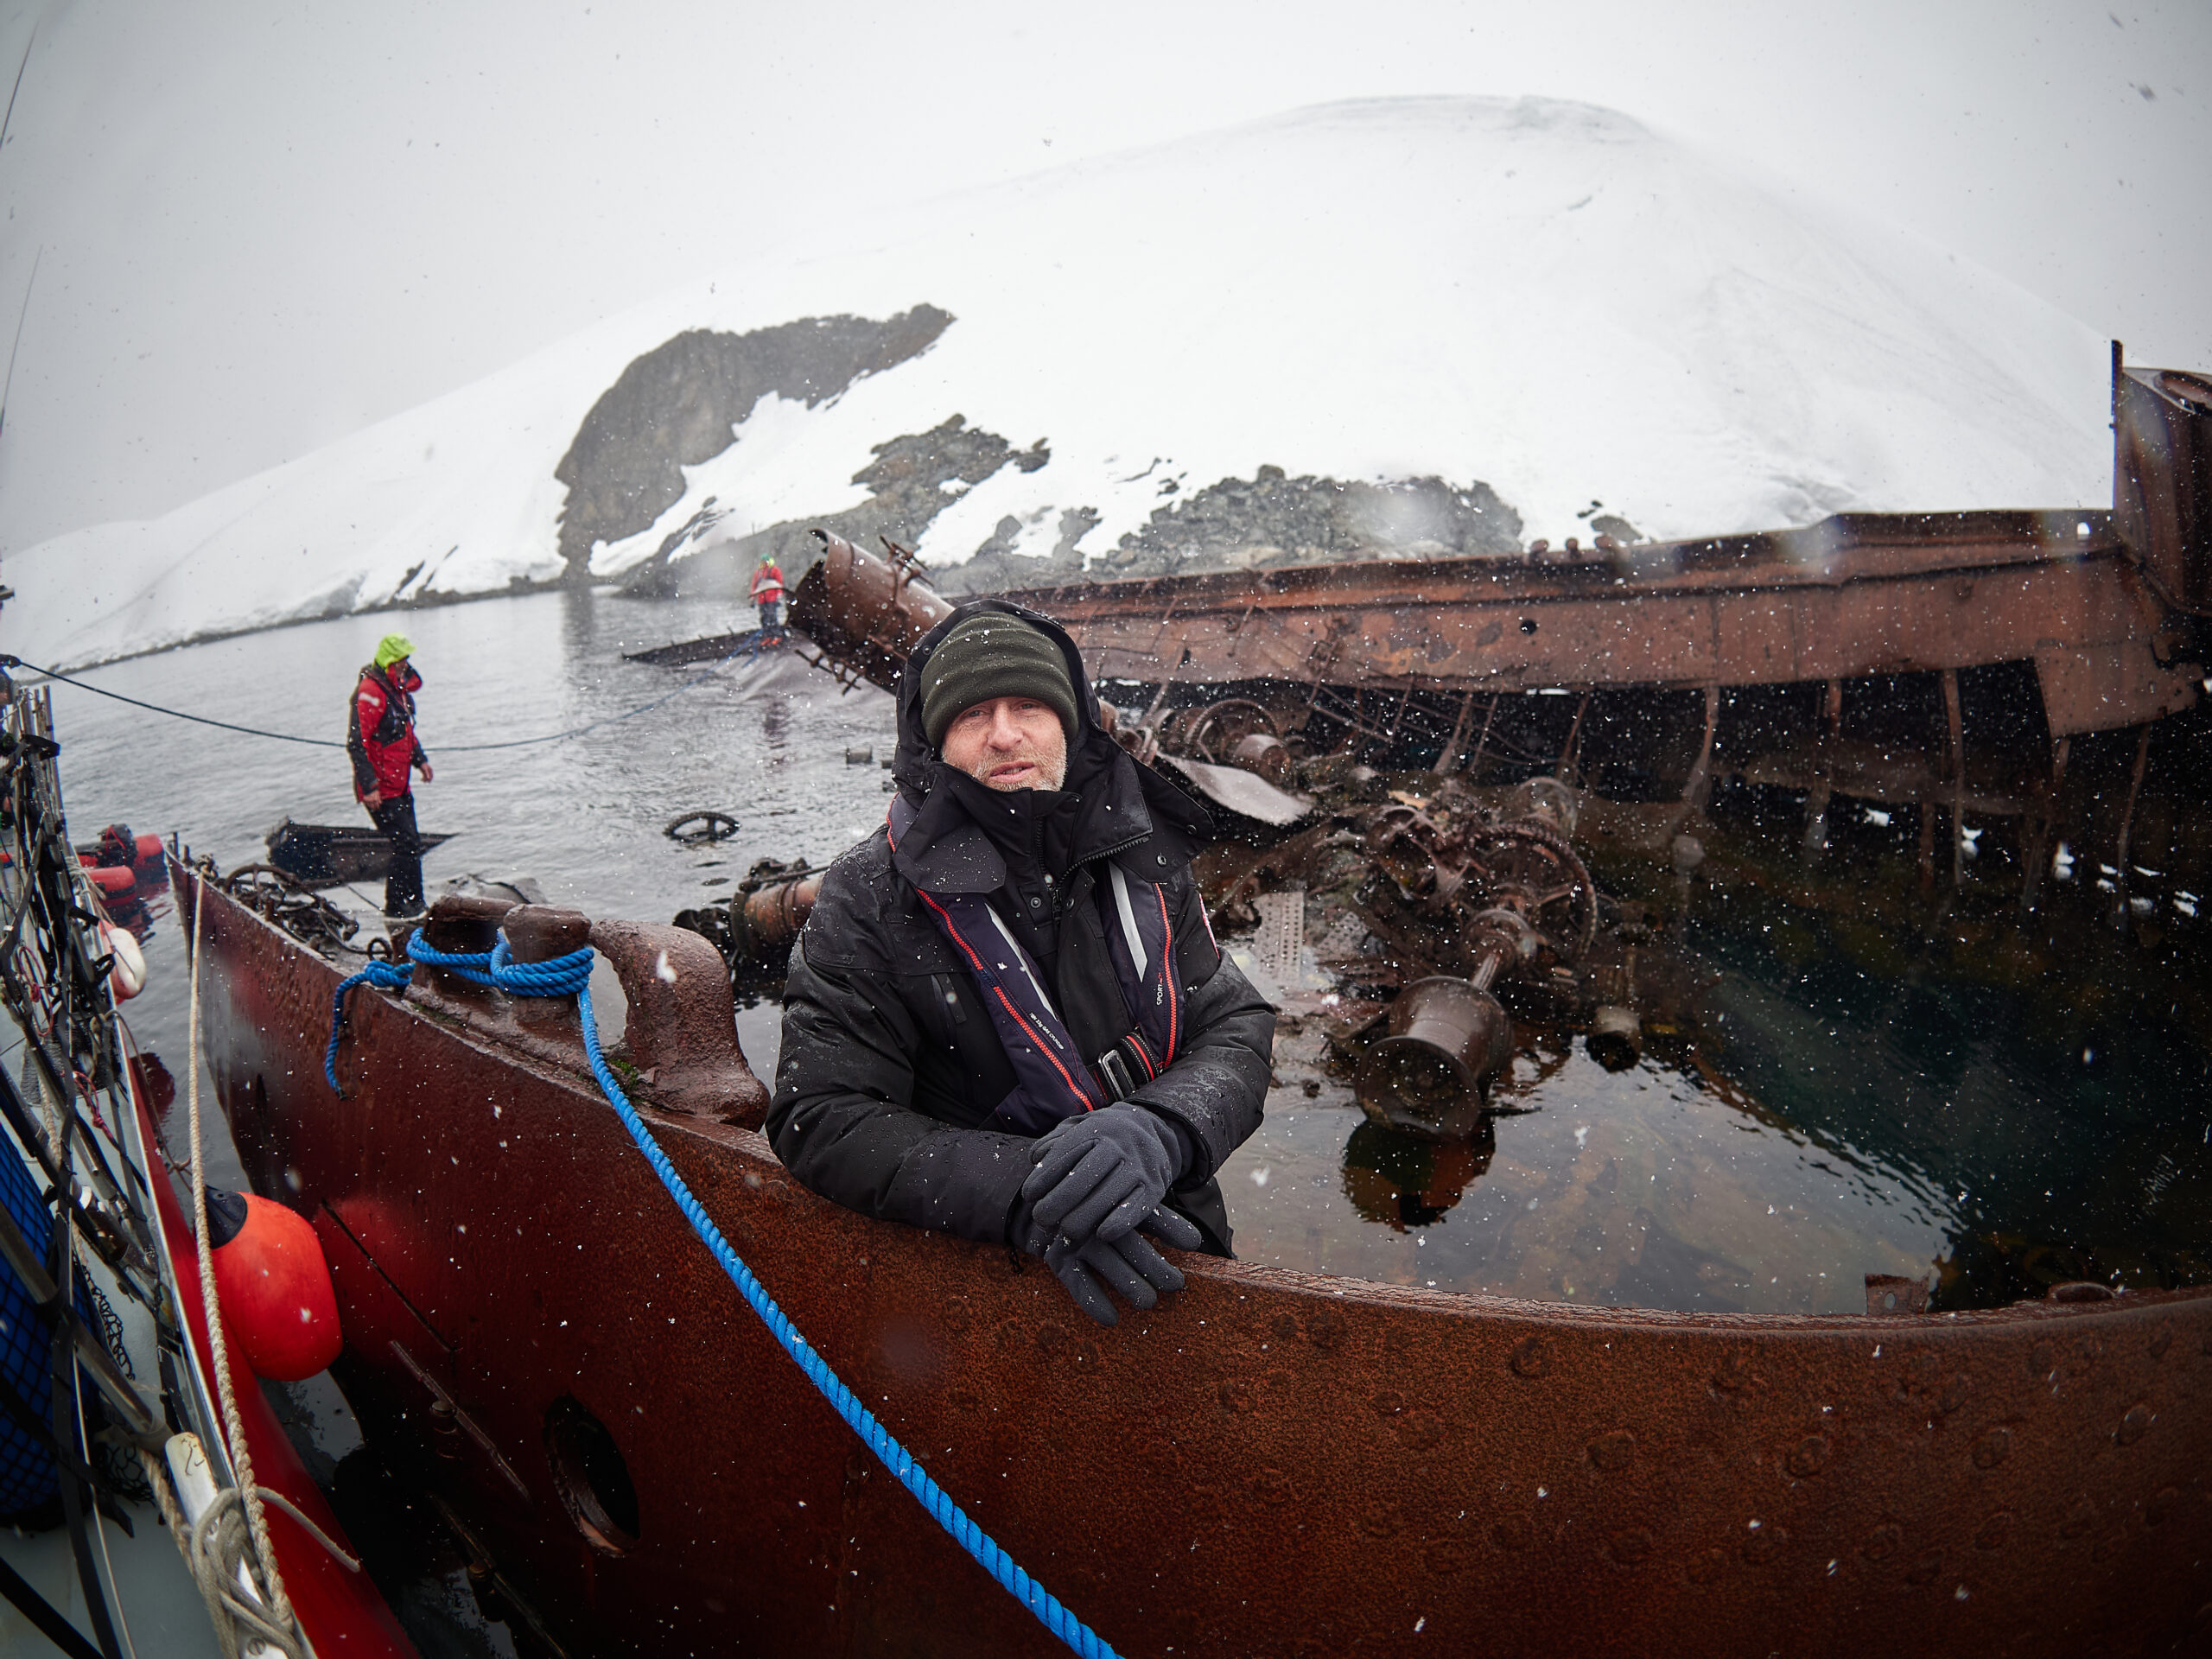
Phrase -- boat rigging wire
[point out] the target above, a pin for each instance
(750, 646)
(8, 384)
(571, 975)
(6, 121)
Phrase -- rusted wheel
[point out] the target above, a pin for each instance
(1214, 732)
(696, 828)
(1535, 870)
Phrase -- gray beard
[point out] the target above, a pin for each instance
(1056, 776)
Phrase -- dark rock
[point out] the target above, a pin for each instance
(680, 402)
(1275, 519)
(905, 481)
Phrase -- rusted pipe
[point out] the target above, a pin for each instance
(2047, 818)
(1450, 752)
(1615, 1039)
(1956, 762)
(1700, 782)
(764, 922)
(1262, 754)
(862, 613)
(2127, 826)
(1822, 793)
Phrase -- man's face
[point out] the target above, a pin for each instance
(1009, 743)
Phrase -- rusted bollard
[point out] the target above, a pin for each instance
(459, 925)
(540, 933)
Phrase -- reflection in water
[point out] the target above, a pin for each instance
(1406, 1181)
(1657, 1186)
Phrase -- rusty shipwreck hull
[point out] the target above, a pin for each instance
(1852, 597)
(1274, 1462)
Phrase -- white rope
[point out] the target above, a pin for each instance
(280, 1604)
(216, 1549)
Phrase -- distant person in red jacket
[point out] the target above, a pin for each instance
(768, 597)
(380, 736)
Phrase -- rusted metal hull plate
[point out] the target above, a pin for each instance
(1272, 1463)
(1752, 612)
(2161, 483)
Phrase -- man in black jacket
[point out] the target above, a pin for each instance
(1007, 1017)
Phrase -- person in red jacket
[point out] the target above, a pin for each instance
(768, 597)
(380, 737)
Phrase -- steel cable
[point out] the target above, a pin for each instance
(749, 647)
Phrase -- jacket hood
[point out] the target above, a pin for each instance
(945, 851)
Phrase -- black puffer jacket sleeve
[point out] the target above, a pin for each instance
(1217, 1088)
(841, 1123)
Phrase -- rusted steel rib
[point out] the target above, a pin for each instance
(1321, 1465)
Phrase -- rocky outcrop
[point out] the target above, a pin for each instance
(680, 404)
(1274, 520)
(913, 478)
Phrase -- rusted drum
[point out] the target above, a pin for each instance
(1263, 755)
(1431, 1074)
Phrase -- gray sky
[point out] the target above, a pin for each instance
(264, 225)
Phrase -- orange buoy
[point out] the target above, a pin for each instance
(275, 1286)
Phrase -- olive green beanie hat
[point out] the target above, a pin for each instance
(994, 655)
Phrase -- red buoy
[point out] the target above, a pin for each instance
(275, 1287)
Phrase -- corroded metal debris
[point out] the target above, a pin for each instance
(754, 931)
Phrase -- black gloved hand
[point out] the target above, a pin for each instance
(1100, 1174)
(1128, 1263)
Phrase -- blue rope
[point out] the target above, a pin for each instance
(385, 977)
(571, 976)
(394, 976)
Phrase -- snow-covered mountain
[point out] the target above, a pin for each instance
(1542, 311)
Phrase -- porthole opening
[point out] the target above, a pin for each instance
(589, 1473)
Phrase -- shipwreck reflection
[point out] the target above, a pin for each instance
(1406, 1181)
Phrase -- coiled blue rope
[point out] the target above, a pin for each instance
(571, 975)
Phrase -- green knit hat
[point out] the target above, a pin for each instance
(993, 655)
(393, 647)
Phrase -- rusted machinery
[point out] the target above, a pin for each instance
(862, 614)
(1507, 897)
(755, 929)
(1471, 908)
